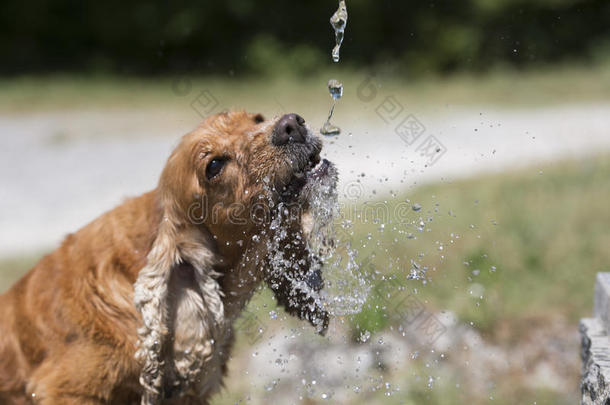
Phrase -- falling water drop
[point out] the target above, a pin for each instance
(338, 21)
(335, 88)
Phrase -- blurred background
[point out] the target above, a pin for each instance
(474, 174)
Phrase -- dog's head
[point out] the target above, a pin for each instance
(245, 178)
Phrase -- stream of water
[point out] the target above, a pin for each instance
(338, 21)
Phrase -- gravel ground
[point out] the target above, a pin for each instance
(287, 365)
(60, 170)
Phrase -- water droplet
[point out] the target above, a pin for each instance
(335, 89)
(328, 129)
(271, 386)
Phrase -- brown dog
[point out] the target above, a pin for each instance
(138, 306)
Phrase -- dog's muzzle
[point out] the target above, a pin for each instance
(289, 129)
(291, 134)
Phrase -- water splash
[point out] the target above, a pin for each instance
(338, 21)
(346, 283)
(324, 209)
(335, 88)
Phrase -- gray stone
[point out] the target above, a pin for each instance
(595, 347)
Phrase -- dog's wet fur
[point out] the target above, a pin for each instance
(138, 305)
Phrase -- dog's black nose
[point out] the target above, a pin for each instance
(290, 128)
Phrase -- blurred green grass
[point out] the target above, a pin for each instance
(561, 85)
(519, 251)
(533, 239)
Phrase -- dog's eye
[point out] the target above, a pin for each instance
(258, 118)
(214, 167)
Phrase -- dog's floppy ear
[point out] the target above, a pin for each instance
(152, 285)
(170, 249)
(177, 242)
(150, 298)
(296, 279)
